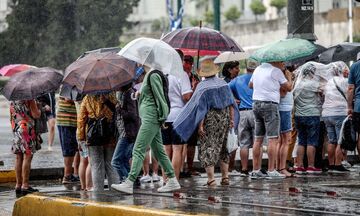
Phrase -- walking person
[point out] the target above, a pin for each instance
(49, 103)
(66, 118)
(128, 110)
(353, 95)
(179, 93)
(241, 91)
(26, 141)
(266, 81)
(95, 108)
(334, 112)
(153, 109)
(307, 104)
(213, 118)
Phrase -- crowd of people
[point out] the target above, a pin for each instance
(273, 104)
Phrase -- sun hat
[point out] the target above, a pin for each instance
(208, 68)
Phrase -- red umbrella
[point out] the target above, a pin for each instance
(12, 69)
(194, 52)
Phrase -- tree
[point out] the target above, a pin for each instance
(55, 32)
(232, 14)
(257, 7)
(209, 17)
(279, 4)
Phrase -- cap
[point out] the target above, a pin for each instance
(251, 65)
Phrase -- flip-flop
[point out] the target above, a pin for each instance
(210, 183)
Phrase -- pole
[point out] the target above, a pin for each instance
(350, 21)
(178, 11)
(216, 4)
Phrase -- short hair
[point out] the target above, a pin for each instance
(188, 58)
(228, 66)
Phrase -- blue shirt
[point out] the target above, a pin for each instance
(354, 79)
(240, 88)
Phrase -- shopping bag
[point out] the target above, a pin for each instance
(232, 142)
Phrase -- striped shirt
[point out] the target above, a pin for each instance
(66, 113)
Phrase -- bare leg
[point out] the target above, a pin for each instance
(244, 158)
(76, 163)
(146, 163)
(338, 155)
(26, 166)
(256, 153)
(177, 159)
(232, 161)
(88, 179)
(210, 174)
(82, 172)
(168, 151)
(283, 153)
(68, 161)
(300, 156)
(310, 151)
(190, 157)
(155, 166)
(224, 167)
(184, 153)
(51, 127)
(18, 169)
(331, 154)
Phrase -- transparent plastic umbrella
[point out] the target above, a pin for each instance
(230, 56)
(155, 54)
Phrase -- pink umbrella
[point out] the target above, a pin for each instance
(12, 69)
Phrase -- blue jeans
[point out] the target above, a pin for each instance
(122, 155)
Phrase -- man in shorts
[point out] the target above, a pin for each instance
(240, 88)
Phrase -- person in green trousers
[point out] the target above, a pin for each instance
(153, 110)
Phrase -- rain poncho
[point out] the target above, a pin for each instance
(310, 85)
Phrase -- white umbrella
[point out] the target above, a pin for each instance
(230, 56)
(155, 54)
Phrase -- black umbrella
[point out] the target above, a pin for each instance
(341, 52)
(32, 83)
(71, 92)
(300, 61)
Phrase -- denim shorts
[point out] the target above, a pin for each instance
(169, 136)
(69, 145)
(333, 127)
(267, 119)
(246, 129)
(308, 128)
(285, 121)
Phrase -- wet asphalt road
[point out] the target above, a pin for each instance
(325, 194)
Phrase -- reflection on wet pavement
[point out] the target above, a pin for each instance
(311, 194)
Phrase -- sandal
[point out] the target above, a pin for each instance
(292, 175)
(225, 181)
(210, 183)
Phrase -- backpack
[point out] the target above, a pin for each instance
(348, 136)
(165, 83)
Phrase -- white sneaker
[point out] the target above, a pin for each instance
(50, 148)
(171, 185)
(275, 175)
(346, 164)
(145, 179)
(155, 178)
(126, 187)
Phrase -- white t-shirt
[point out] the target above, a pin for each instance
(266, 81)
(335, 104)
(177, 88)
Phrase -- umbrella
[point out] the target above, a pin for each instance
(101, 50)
(303, 60)
(201, 38)
(284, 50)
(99, 73)
(12, 69)
(155, 54)
(341, 52)
(230, 56)
(32, 83)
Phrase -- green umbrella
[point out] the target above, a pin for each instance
(284, 50)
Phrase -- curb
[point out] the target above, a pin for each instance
(43, 206)
(7, 176)
(35, 174)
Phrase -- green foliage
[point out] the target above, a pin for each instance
(356, 38)
(194, 21)
(209, 17)
(232, 14)
(257, 7)
(279, 4)
(55, 32)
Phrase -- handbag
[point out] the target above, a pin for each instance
(41, 123)
(232, 141)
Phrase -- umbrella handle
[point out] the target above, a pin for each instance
(198, 50)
